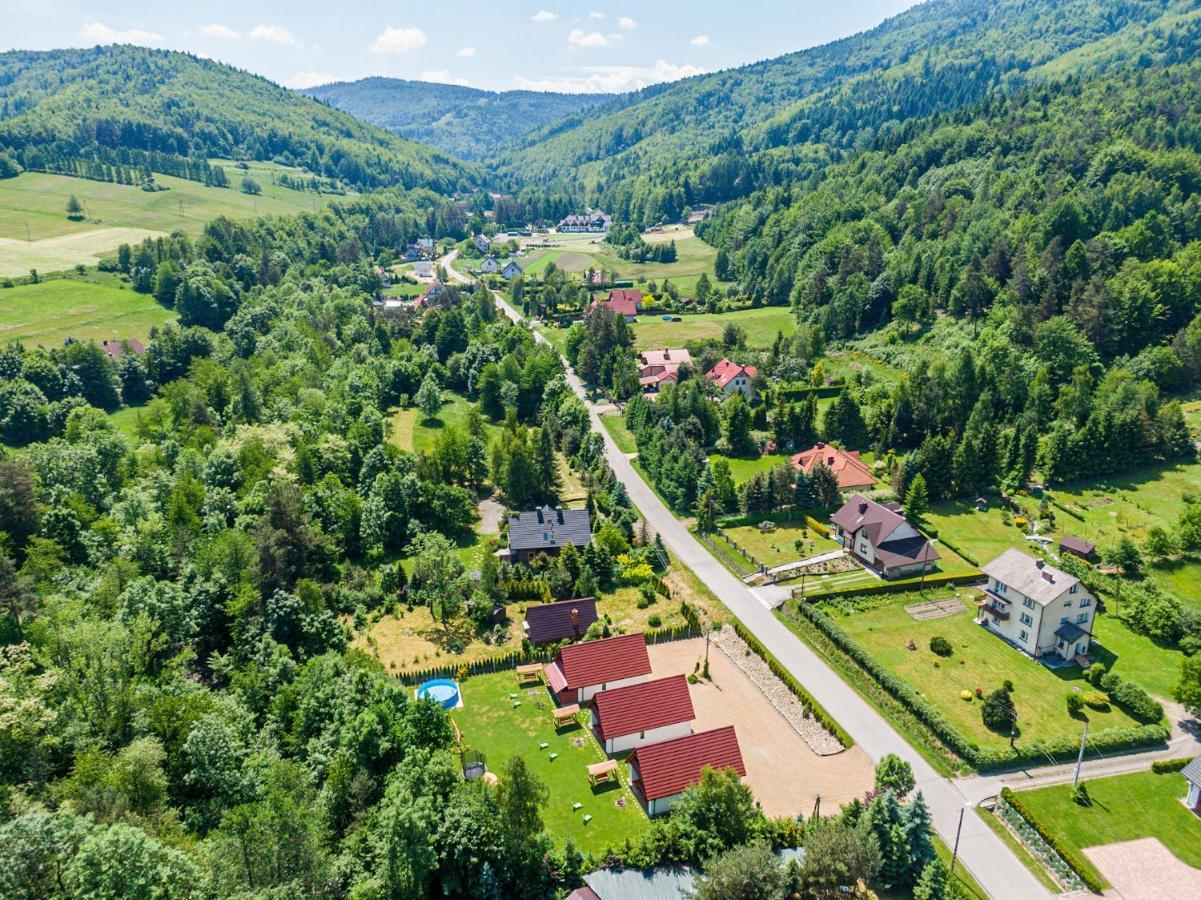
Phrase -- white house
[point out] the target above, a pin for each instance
(581, 671)
(490, 266)
(511, 270)
(660, 773)
(1192, 775)
(641, 714)
(423, 268)
(732, 378)
(1036, 607)
(483, 243)
(882, 539)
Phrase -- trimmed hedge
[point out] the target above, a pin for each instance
(823, 718)
(1168, 766)
(1112, 740)
(1067, 854)
(899, 587)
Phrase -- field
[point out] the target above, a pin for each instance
(502, 721)
(97, 307)
(412, 432)
(1135, 656)
(35, 231)
(761, 326)
(777, 547)
(1124, 808)
(980, 660)
(743, 469)
(983, 534)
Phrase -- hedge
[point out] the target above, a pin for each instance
(1062, 508)
(897, 587)
(1167, 766)
(823, 718)
(1112, 740)
(1068, 855)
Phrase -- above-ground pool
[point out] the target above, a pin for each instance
(442, 691)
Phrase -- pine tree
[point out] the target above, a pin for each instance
(823, 484)
(844, 423)
(548, 466)
(916, 500)
(74, 208)
(918, 830)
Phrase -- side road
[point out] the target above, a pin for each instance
(992, 863)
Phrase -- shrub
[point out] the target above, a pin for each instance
(654, 621)
(1136, 702)
(998, 711)
(1167, 766)
(965, 695)
(1075, 704)
(1008, 686)
(941, 646)
(1096, 700)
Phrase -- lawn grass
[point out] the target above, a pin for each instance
(413, 432)
(980, 660)
(502, 727)
(982, 534)
(774, 548)
(1135, 657)
(743, 469)
(761, 326)
(622, 436)
(93, 308)
(1124, 808)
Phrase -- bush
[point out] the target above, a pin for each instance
(941, 646)
(1136, 702)
(1096, 700)
(1075, 704)
(1168, 766)
(654, 621)
(1067, 854)
(998, 711)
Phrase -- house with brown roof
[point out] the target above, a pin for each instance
(580, 671)
(1036, 607)
(848, 468)
(659, 367)
(660, 773)
(117, 349)
(882, 539)
(1086, 550)
(640, 714)
(732, 378)
(567, 619)
(547, 530)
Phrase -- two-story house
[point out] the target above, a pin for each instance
(882, 539)
(732, 378)
(1039, 609)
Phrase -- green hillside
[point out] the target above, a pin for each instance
(132, 109)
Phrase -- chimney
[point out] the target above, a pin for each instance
(1040, 563)
(1048, 577)
(863, 508)
(575, 620)
(540, 522)
(830, 461)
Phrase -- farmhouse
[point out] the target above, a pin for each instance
(511, 270)
(882, 539)
(848, 468)
(732, 378)
(580, 671)
(591, 223)
(640, 714)
(1086, 550)
(660, 773)
(117, 349)
(547, 622)
(490, 266)
(1036, 607)
(548, 531)
(425, 244)
(659, 367)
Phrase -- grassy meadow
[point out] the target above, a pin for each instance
(95, 307)
(761, 326)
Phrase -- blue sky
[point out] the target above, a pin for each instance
(572, 45)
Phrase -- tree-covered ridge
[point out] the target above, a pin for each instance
(720, 136)
(466, 122)
(129, 105)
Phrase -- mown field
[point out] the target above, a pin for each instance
(760, 325)
(97, 307)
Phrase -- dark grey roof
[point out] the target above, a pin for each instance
(906, 552)
(641, 884)
(546, 528)
(1193, 771)
(553, 621)
(1070, 631)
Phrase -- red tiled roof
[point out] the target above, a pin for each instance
(598, 662)
(846, 465)
(116, 349)
(641, 707)
(668, 768)
(632, 295)
(554, 677)
(725, 372)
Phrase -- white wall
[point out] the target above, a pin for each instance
(625, 742)
(587, 693)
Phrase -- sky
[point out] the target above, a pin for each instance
(552, 45)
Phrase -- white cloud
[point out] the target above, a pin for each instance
(275, 34)
(627, 23)
(596, 15)
(224, 32)
(701, 40)
(398, 40)
(309, 79)
(579, 38)
(544, 15)
(465, 52)
(99, 33)
(442, 76)
(608, 79)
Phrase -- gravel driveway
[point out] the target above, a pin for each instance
(1145, 870)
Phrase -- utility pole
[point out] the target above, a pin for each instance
(1080, 758)
(958, 829)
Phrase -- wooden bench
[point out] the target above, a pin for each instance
(565, 715)
(602, 772)
(529, 674)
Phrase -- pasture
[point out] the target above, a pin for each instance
(760, 326)
(97, 308)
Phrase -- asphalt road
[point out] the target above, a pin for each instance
(984, 854)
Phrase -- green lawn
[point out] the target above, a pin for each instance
(490, 723)
(743, 469)
(413, 432)
(98, 307)
(777, 547)
(982, 534)
(1125, 808)
(1135, 656)
(761, 326)
(622, 436)
(980, 660)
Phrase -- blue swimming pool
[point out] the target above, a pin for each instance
(442, 691)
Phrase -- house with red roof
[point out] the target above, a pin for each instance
(882, 539)
(580, 671)
(640, 714)
(657, 368)
(732, 378)
(848, 468)
(117, 349)
(660, 773)
(625, 302)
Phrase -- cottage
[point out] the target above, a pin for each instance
(882, 539)
(483, 243)
(660, 773)
(511, 270)
(640, 714)
(547, 531)
(1192, 775)
(423, 268)
(657, 368)
(560, 621)
(848, 468)
(1039, 609)
(490, 265)
(580, 671)
(1086, 550)
(412, 252)
(117, 349)
(732, 378)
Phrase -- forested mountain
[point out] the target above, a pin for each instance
(467, 122)
(138, 108)
(720, 136)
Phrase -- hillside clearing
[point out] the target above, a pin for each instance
(94, 310)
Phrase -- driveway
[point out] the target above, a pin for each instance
(1145, 870)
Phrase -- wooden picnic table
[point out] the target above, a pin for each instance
(565, 715)
(529, 674)
(602, 771)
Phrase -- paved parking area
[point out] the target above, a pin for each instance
(1145, 870)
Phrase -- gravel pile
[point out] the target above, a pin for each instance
(777, 693)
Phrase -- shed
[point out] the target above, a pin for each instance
(560, 621)
(660, 773)
(640, 714)
(1078, 547)
(580, 671)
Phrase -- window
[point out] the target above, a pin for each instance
(1026, 619)
(1028, 603)
(1000, 588)
(1067, 602)
(1073, 589)
(1086, 601)
(642, 735)
(1082, 618)
(1064, 620)
(1024, 636)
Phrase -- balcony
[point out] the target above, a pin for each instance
(994, 609)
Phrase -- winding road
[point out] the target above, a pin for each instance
(984, 854)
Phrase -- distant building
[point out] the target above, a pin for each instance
(732, 378)
(1039, 609)
(511, 270)
(882, 539)
(483, 243)
(423, 268)
(848, 468)
(490, 266)
(657, 368)
(425, 244)
(1078, 547)
(547, 530)
(660, 773)
(548, 622)
(117, 349)
(625, 302)
(593, 222)
(580, 671)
